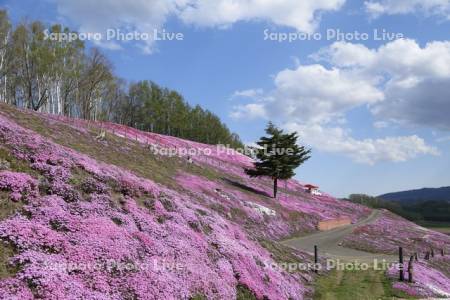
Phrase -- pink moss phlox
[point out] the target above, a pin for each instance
(428, 282)
(19, 184)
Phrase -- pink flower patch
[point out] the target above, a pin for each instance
(19, 184)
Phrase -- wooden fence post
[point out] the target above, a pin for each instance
(400, 264)
(316, 259)
(410, 269)
(442, 252)
(416, 257)
(432, 252)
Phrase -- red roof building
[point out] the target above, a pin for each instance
(313, 189)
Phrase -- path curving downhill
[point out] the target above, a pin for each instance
(328, 243)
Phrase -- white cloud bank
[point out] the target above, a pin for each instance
(366, 151)
(415, 80)
(145, 15)
(100, 15)
(301, 15)
(399, 82)
(393, 7)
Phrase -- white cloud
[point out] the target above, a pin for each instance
(393, 7)
(367, 151)
(415, 80)
(250, 111)
(399, 82)
(100, 15)
(380, 124)
(343, 54)
(301, 15)
(314, 94)
(145, 15)
(401, 59)
(250, 93)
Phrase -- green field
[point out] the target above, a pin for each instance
(357, 285)
(443, 227)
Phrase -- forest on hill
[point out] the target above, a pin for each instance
(65, 77)
(417, 211)
(425, 194)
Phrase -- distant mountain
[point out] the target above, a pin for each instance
(425, 194)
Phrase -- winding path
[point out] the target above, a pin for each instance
(328, 243)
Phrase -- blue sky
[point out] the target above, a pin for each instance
(374, 112)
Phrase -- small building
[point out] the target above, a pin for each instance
(313, 189)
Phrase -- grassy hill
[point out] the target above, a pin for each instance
(96, 211)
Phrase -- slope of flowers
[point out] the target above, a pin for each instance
(427, 281)
(390, 231)
(93, 230)
(298, 210)
(91, 240)
(233, 164)
(293, 214)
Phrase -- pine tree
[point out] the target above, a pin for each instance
(277, 156)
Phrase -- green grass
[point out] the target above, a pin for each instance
(244, 293)
(198, 296)
(115, 150)
(281, 253)
(124, 153)
(16, 165)
(7, 206)
(357, 285)
(6, 270)
(443, 227)
(445, 230)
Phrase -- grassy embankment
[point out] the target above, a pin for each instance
(443, 227)
(361, 285)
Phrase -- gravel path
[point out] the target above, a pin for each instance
(328, 243)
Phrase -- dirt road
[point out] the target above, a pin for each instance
(328, 243)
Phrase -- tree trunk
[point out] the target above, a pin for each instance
(275, 187)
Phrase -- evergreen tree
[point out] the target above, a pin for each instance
(277, 156)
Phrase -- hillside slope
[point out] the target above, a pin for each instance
(96, 211)
(425, 194)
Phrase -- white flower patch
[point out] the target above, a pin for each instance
(262, 209)
(437, 290)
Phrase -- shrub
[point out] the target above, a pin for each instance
(90, 186)
(65, 191)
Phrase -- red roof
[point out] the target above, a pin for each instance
(310, 186)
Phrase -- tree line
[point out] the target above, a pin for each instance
(66, 78)
(416, 211)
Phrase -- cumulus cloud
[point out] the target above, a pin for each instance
(301, 15)
(250, 93)
(401, 59)
(100, 15)
(145, 16)
(415, 80)
(393, 7)
(366, 151)
(313, 93)
(426, 103)
(399, 83)
(250, 111)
